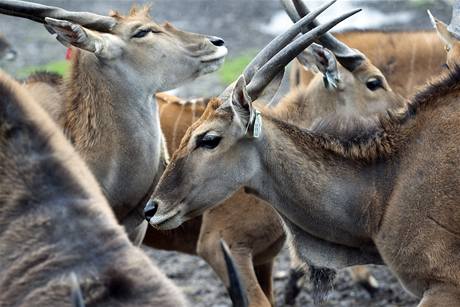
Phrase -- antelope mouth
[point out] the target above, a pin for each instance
(168, 221)
(217, 56)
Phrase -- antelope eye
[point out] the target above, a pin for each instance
(208, 141)
(141, 33)
(374, 84)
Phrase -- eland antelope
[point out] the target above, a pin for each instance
(107, 109)
(381, 189)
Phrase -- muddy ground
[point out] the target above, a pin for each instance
(245, 25)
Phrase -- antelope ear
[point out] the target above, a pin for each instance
(240, 96)
(68, 33)
(441, 28)
(316, 58)
(241, 101)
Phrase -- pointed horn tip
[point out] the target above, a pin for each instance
(433, 20)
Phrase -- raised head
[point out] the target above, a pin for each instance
(7, 52)
(449, 34)
(218, 151)
(133, 45)
(344, 77)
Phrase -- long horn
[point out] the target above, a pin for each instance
(281, 41)
(270, 69)
(454, 26)
(37, 12)
(348, 57)
(236, 288)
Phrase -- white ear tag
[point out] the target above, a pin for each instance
(257, 124)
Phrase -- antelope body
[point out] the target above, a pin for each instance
(349, 192)
(368, 195)
(108, 111)
(301, 108)
(48, 201)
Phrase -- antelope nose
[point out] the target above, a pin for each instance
(217, 41)
(150, 209)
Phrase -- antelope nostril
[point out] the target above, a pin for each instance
(217, 41)
(150, 209)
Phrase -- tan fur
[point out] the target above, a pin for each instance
(49, 200)
(47, 91)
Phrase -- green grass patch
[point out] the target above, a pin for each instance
(422, 3)
(59, 67)
(233, 67)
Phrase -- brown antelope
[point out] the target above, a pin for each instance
(254, 245)
(6, 51)
(384, 190)
(279, 60)
(449, 35)
(49, 200)
(108, 111)
(317, 100)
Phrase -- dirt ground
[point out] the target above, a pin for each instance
(204, 289)
(245, 25)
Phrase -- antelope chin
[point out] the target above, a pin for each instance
(168, 221)
(214, 61)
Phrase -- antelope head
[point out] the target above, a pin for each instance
(449, 34)
(344, 77)
(132, 45)
(218, 151)
(6, 51)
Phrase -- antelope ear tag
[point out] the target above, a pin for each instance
(257, 130)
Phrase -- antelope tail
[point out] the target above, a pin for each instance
(236, 288)
(76, 295)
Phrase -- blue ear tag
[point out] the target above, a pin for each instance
(257, 124)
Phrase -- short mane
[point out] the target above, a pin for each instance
(378, 137)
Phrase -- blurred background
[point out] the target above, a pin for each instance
(246, 26)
